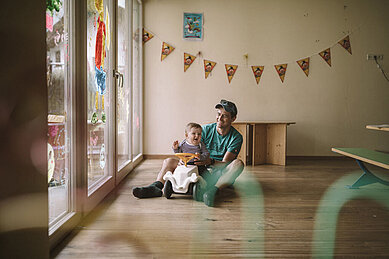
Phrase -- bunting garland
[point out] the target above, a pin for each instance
(146, 36)
(345, 43)
(326, 55)
(281, 70)
(230, 69)
(188, 60)
(257, 70)
(304, 65)
(166, 50)
(209, 65)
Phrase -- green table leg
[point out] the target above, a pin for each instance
(366, 178)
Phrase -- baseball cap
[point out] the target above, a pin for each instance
(228, 106)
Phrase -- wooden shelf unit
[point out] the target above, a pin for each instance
(264, 142)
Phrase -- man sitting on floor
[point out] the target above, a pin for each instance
(223, 142)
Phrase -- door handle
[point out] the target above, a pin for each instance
(118, 76)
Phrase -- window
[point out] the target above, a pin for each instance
(59, 113)
(99, 94)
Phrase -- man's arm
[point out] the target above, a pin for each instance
(204, 152)
(229, 157)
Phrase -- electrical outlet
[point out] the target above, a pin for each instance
(375, 56)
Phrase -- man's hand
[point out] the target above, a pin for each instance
(203, 162)
(175, 144)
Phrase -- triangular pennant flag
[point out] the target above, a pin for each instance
(166, 50)
(188, 60)
(346, 44)
(230, 69)
(146, 36)
(208, 66)
(281, 70)
(257, 70)
(304, 65)
(326, 55)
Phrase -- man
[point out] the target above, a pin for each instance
(223, 142)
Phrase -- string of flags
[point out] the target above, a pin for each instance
(257, 70)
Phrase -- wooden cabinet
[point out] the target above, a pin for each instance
(264, 142)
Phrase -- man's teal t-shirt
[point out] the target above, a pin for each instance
(217, 144)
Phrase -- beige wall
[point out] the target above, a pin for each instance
(331, 107)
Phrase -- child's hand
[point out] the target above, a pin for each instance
(175, 144)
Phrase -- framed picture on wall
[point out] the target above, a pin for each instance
(193, 26)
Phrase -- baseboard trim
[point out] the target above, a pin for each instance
(156, 156)
(164, 156)
(316, 157)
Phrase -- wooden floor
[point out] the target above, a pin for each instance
(302, 210)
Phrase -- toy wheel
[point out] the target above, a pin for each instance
(197, 192)
(168, 189)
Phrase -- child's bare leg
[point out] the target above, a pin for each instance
(169, 164)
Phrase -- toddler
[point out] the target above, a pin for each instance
(192, 142)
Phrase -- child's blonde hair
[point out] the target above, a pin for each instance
(191, 125)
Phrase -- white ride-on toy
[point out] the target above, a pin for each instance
(185, 179)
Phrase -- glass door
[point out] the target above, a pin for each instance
(100, 101)
(123, 75)
(59, 121)
(94, 142)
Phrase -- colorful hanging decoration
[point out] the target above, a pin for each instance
(188, 60)
(108, 37)
(93, 139)
(345, 43)
(281, 70)
(230, 69)
(100, 44)
(326, 55)
(50, 162)
(100, 80)
(257, 70)
(208, 67)
(146, 36)
(166, 50)
(99, 5)
(304, 65)
(100, 53)
(102, 156)
(53, 5)
(49, 22)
